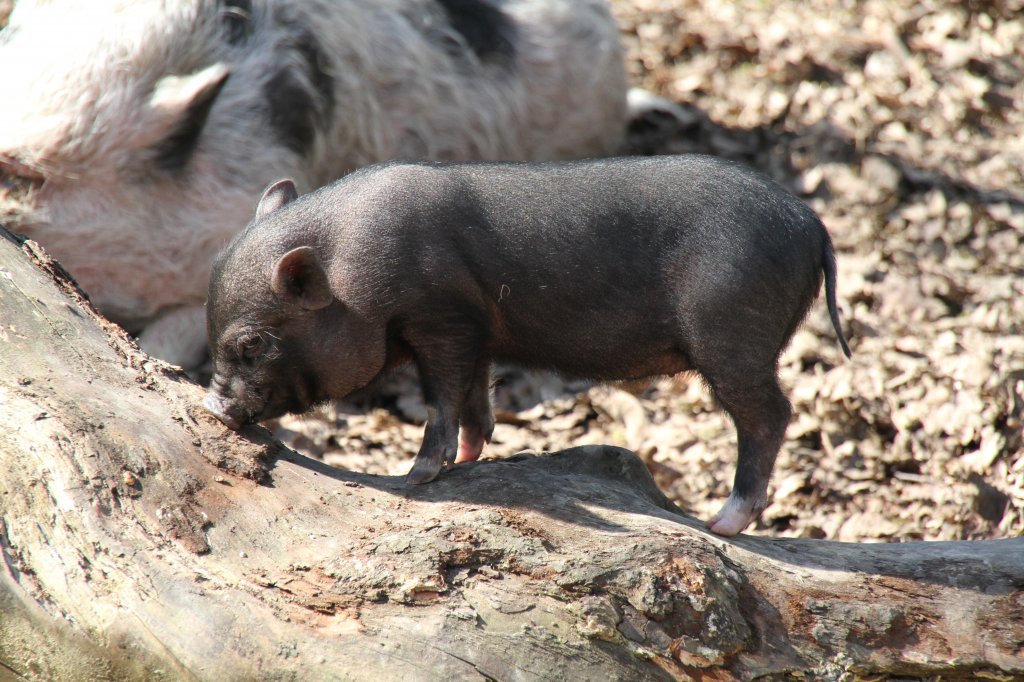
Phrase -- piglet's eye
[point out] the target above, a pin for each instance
(249, 346)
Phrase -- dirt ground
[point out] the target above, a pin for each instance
(900, 122)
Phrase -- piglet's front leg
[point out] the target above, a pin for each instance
(440, 444)
(476, 421)
(449, 371)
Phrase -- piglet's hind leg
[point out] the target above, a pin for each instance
(761, 414)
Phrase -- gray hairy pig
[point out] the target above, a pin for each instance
(136, 135)
(607, 270)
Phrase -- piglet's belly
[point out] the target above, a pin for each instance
(590, 359)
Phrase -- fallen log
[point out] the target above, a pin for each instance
(141, 539)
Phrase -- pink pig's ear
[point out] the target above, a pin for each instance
(176, 113)
(299, 278)
(276, 196)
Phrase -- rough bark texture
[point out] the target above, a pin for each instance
(141, 539)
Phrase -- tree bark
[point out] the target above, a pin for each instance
(141, 539)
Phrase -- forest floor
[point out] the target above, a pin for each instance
(902, 124)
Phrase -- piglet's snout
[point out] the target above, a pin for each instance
(223, 410)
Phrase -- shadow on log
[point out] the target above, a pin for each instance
(141, 539)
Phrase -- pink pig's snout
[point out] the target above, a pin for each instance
(223, 410)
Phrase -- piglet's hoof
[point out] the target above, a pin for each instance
(424, 470)
(734, 516)
(470, 448)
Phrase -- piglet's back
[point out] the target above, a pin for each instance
(573, 210)
(538, 248)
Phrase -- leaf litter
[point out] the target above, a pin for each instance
(900, 123)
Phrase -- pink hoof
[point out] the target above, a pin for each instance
(470, 448)
(734, 516)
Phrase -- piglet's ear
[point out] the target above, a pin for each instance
(278, 195)
(299, 278)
